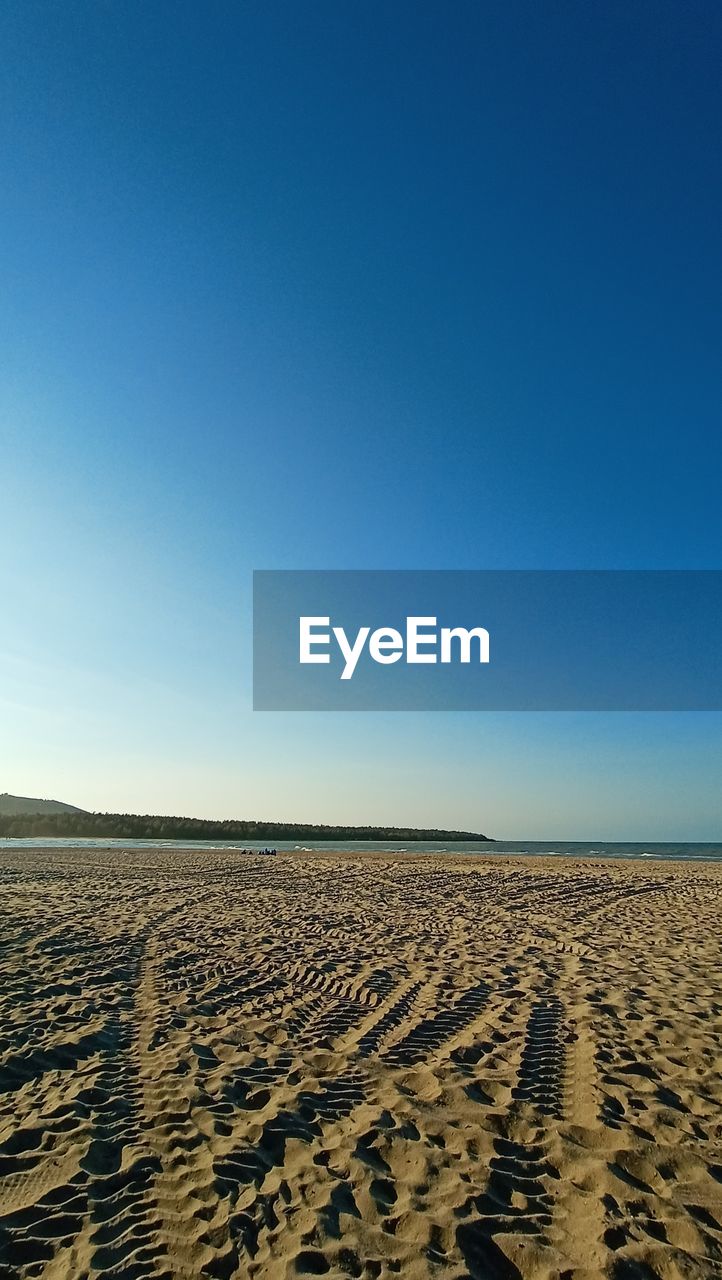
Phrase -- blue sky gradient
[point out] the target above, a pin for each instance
(358, 286)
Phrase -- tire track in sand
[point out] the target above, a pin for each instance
(194, 1236)
(531, 1215)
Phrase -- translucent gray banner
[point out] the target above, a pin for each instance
(518, 640)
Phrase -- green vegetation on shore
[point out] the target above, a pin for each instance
(133, 826)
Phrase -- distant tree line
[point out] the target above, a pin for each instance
(133, 826)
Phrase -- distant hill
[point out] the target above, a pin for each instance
(55, 819)
(14, 805)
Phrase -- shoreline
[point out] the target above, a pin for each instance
(462, 860)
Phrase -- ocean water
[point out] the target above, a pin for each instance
(669, 851)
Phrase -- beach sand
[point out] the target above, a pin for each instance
(228, 1066)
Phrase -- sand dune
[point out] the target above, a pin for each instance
(222, 1066)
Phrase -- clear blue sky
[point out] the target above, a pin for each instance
(365, 286)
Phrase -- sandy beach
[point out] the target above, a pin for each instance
(216, 1065)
